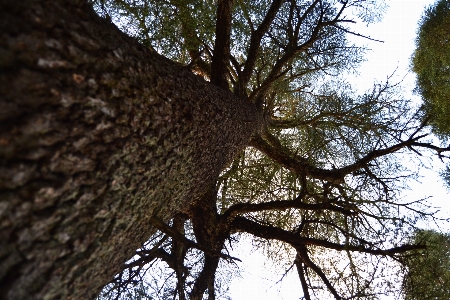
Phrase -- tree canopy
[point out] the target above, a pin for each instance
(431, 63)
(428, 274)
(319, 186)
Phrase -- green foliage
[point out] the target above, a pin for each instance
(428, 271)
(324, 173)
(445, 174)
(184, 30)
(431, 62)
(173, 28)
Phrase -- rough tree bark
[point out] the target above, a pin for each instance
(97, 135)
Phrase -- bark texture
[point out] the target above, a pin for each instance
(97, 135)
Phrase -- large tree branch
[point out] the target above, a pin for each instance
(221, 54)
(242, 208)
(187, 242)
(206, 279)
(270, 232)
(293, 47)
(272, 147)
(291, 161)
(437, 149)
(301, 269)
(303, 253)
(255, 44)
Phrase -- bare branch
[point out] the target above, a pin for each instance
(270, 232)
(182, 239)
(301, 269)
(303, 253)
(255, 44)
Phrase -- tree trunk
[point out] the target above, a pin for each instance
(97, 134)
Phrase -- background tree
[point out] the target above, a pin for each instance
(428, 271)
(431, 63)
(98, 134)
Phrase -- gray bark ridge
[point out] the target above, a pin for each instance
(97, 135)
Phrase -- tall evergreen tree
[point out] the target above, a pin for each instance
(106, 143)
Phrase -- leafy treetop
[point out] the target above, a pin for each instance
(318, 187)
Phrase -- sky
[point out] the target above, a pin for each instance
(398, 31)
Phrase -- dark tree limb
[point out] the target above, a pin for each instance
(303, 253)
(178, 252)
(270, 232)
(242, 208)
(188, 243)
(206, 278)
(255, 44)
(221, 54)
(271, 146)
(301, 270)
